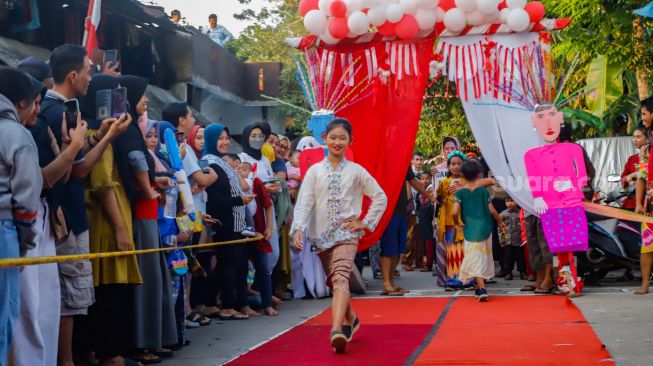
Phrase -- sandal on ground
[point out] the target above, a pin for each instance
(528, 288)
(163, 353)
(270, 311)
(402, 290)
(397, 274)
(338, 341)
(198, 318)
(392, 293)
(546, 291)
(640, 291)
(350, 330)
(146, 358)
(251, 313)
(425, 269)
(235, 316)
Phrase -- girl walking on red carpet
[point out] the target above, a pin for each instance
(327, 211)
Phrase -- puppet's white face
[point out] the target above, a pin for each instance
(547, 122)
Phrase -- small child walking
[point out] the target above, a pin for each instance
(476, 211)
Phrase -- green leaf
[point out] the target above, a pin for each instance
(606, 80)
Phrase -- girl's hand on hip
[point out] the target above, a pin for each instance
(354, 225)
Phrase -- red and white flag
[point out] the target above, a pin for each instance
(91, 25)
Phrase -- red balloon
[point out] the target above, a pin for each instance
(407, 27)
(447, 4)
(307, 5)
(338, 27)
(338, 9)
(535, 10)
(503, 5)
(387, 29)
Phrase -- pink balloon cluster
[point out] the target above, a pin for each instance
(334, 20)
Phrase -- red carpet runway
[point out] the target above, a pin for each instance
(533, 330)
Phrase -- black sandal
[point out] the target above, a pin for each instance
(198, 318)
(338, 341)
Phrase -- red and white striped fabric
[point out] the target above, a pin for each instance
(91, 25)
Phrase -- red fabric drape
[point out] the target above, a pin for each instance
(385, 124)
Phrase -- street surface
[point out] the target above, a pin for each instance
(623, 321)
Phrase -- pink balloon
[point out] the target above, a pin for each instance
(535, 10)
(307, 5)
(407, 28)
(338, 27)
(338, 9)
(387, 29)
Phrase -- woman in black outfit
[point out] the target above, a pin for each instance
(226, 203)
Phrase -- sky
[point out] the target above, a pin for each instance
(197, 12)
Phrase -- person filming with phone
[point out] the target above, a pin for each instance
(60, 130)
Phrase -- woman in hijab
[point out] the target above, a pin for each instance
(196, 139)
(154, 317)
(226, 204)
(109, 213)
(254, 137)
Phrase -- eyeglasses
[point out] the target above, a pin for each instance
(282, 147)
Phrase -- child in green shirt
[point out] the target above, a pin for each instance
(473, 203)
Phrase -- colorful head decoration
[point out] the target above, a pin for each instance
(471, 150)
(457, 153)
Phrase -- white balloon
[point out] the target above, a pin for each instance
(358, 23)
(369, 4)
(353, 6)
(516, 4)
(315, 22)
(440, 13)
(475, 18)
(518, 20)
(328, 38)
(424, 33)
(467, 6)
(455, 20)
(325, 6)
(488, 7)
(427, 4)
(491, 18)
(426, 18)
(503, 15)
(394, 13)
(408, 6)
(376, 15)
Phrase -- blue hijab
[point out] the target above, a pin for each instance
(211, 136)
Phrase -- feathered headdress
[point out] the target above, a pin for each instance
(324, 92)
(536, 83)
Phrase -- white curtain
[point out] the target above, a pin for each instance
(502, 129)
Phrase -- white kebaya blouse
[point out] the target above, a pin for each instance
(328, 197)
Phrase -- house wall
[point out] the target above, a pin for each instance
(236, 116)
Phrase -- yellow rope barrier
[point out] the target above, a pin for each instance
(18, 262)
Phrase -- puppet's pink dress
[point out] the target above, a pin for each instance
(564, 223)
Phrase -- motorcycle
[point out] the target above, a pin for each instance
(613, 244)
